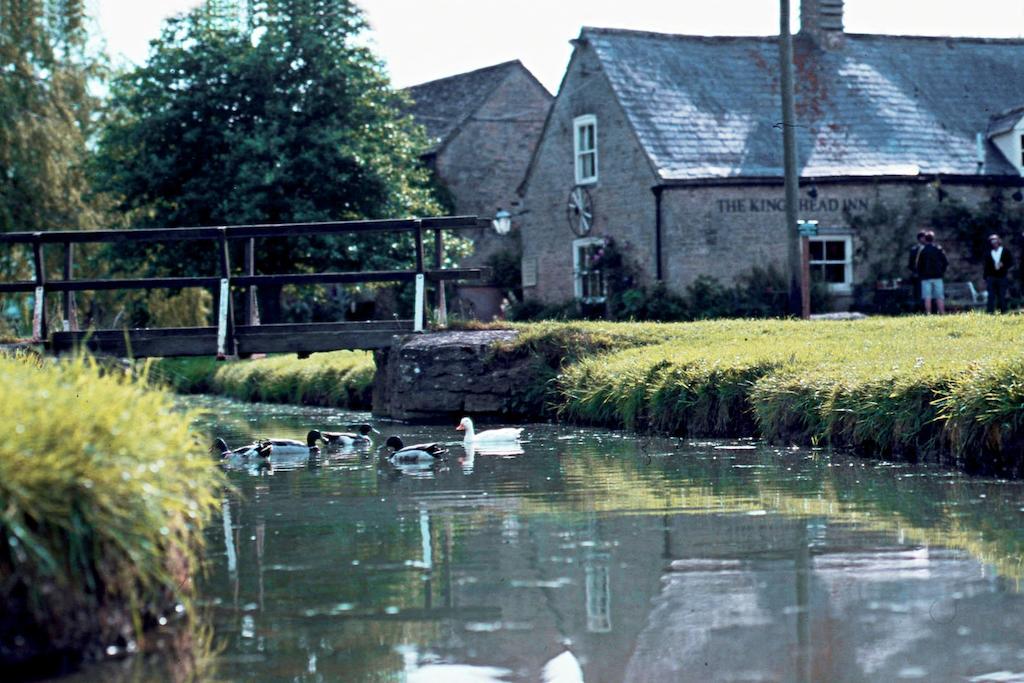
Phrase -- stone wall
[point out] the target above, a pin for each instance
(723, 231)
(448, 375)
(484, 161)
(622, 196)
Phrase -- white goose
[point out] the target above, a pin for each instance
(506, 435)
(564, 668)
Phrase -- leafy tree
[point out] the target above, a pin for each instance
(283, 119)
(46, 115)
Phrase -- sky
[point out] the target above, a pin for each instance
(421, 40)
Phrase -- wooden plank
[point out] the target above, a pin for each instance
(313, 342)
(355, 277)
(302, 338)
(239, 231)
(82, 236)
(281, 328)
(132, 283)
(246, 280)
(17, 286)
(139, 343)
(397, 326)
(452, 222)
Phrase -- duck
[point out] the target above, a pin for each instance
(293, 447)
(505, 435)
(417, 453)
(259, 449)
(360, 437)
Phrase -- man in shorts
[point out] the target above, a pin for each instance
(915, 251)
(931, 266)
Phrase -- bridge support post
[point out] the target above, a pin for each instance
(442, 305)
(418, 315)
(39, 331)
(417, 321)
(252, 311)
(226, 343)
(70, 317)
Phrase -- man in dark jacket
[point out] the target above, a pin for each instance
(931, 266)
(998, 262)
(915, 279)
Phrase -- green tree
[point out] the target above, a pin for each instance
(47, 115)
(283, 118)
(48, 76)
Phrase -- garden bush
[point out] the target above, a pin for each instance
(104, 490)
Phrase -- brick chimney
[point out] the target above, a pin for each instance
(822, 20)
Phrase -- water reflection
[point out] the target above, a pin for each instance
(636, 561)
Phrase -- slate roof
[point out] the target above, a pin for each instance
(441, 106)
(1004, 121)
(709, 107)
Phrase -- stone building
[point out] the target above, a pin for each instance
(671, 145)
(483, 126)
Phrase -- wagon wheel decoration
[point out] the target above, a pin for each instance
(580, 211)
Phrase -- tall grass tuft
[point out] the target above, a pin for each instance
(103, 494)
(339, 378)
(983, 413)
(949, 386)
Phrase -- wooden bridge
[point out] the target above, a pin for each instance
(228, 338)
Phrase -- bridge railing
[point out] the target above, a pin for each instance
(271, 337)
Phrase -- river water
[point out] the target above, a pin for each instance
(603, 554)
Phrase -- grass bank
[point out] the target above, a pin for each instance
(911, 387)
(103, 493)
(949, 387)
(340, 378)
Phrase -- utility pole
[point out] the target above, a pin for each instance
(789, 156)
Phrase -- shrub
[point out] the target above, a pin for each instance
(535, 310)
(103, 494)
(506, 273)
(761, 292)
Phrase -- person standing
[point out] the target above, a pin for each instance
(915, 279)
(931, 266)
(998, 263)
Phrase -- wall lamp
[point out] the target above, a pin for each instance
(502, 222)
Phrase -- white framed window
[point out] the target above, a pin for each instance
(586, 268)
(832, 261)
(1022, 151)
(585, 148)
